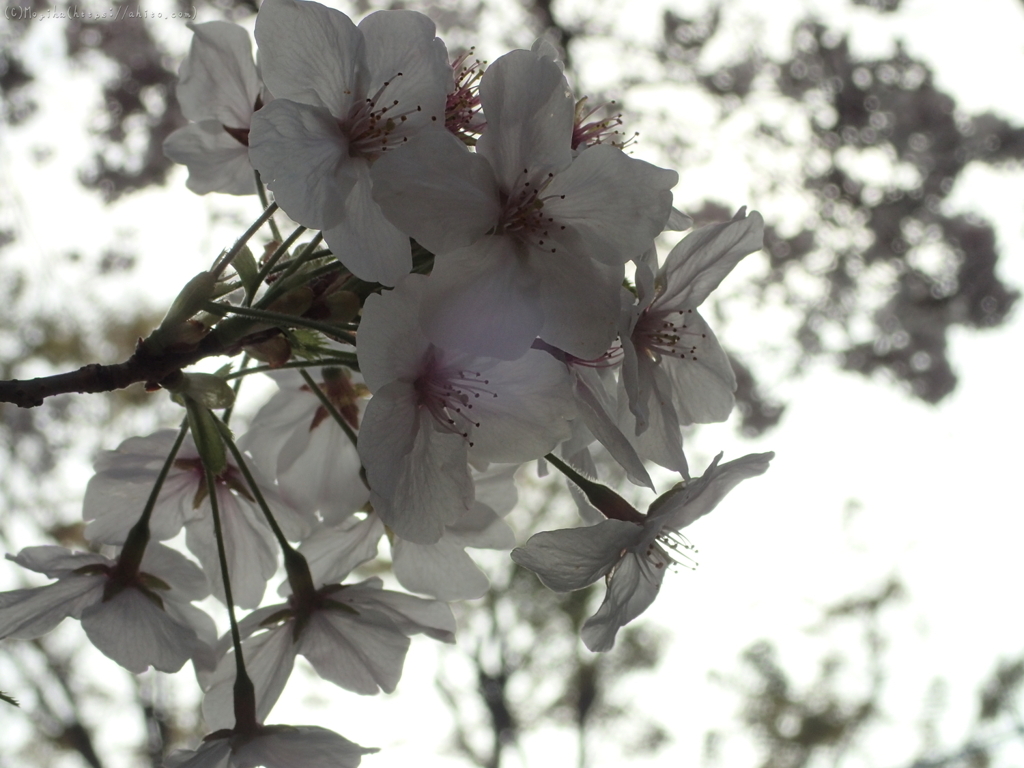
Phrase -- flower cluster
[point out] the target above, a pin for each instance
(470, 313)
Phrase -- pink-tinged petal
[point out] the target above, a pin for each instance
(248, 542)
(632, 588)
(332, 553)
(419, 475)
(575, 558)
(703, 385)
(363, 240)
(308, 746)
(185, 577)
(485, 300)
(676, 510)
(363, 653)
(54, 561)
(215, 753)
(218, 79)
(481, 528)
(496, 488)
(662, 441)
(442, 570)
(217, 162)
(612, 205)
(269, 659)
(133, 631)
(302, 156)
(437, 191)
(405, 42)
(31, 613)
(311, 54)
(699, 263)
(411, 615)
(391, 346)
(594, 413)
(580, 302)
(530, 113)
(523, 408)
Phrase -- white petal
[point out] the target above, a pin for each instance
(419, 475)
(31, 613)
(485, 300)
(437, 191)
(442, 570)
(613, 203)
(697, 265)
(411, 615)
(211, 754)
(529, 112)
(55, 561)
(311, 54)
(307, 746)
(133, 631)
(594, 414)
(703, 494)
(332, 553)
(363, 653)
(363, 240)
(404, 42)
(217, 161)
(525, 409)
(302, 157)
(575, 558)
(702, 387)
(269, 659)
(632, 589)
(391, 345)
(218, 79)
(580, 302)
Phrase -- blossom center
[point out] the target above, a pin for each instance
(372, 124)
(522, 215)
(449, 394)
(662, 333)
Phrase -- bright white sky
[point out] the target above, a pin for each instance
(935, 488)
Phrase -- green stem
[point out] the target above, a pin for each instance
(244, 692)
(344, 358)
(331, 409)
(220, 265)
(262, 192)
(280, 318)
(138, 537)
(280, 251)
(235, 387)
(281, 284)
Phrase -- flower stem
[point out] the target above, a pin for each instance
(244, 692)
(604, 499)
(331, 409)
(261, 190)
(229, 255)
(280, 251)
(279, 318)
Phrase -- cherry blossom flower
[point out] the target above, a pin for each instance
(219, 90)
(272, 746)
(631, 550)
(124, 478)
(674, 371)
(139, 617)
(355, 635)
(529, 240)
(345, 95)
(294, 439)
(433, 409)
